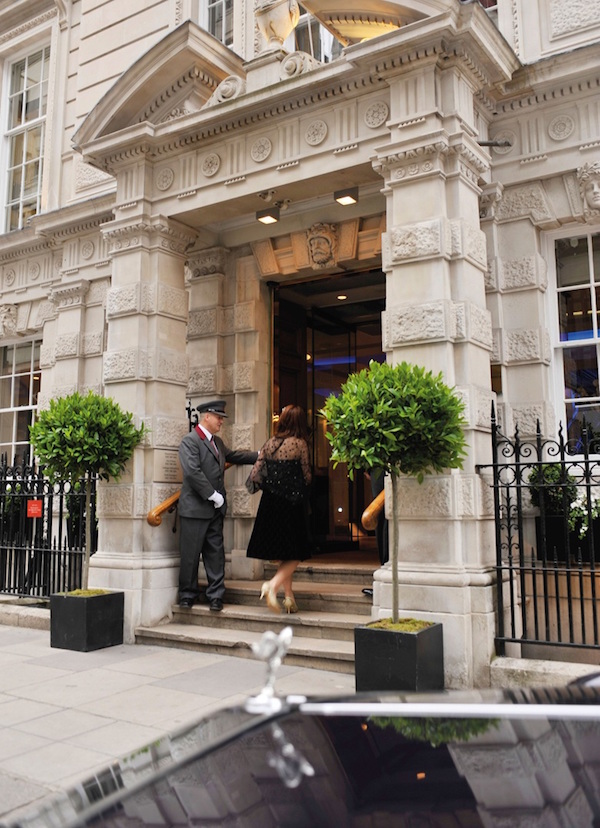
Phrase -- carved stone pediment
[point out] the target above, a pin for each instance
(175, 78)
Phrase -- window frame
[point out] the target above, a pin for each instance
(34, 372)
(9, 61)
(558, 346)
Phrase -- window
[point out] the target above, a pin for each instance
(220, 20)
(27, 104)
(578, 299)
(20, 379)
(314, 39)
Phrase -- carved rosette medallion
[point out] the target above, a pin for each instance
(261, 149)
(316, 133)
(164, 178)
(504, 135)
(561, 127)
(9, 277)
(211, 164)
(87, 250)
(33, 271)
(376, 114)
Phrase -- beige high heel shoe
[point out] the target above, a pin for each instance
(268, 593)
(289, 605)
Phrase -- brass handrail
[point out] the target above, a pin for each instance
(371, 514)
(154, 515)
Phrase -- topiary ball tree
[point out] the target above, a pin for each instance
(84, 437)
(401, 419)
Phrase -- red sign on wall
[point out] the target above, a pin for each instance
(34, 508)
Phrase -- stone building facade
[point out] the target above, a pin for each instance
(138, 149)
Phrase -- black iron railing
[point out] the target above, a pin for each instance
(42, 531)
(547, 525)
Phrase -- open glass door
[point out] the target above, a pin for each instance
(323, 331)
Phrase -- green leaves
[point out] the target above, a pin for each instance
(400, 418)
(80, 435)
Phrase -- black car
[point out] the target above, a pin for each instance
(455, 759)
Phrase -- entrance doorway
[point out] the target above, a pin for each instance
(324, 330)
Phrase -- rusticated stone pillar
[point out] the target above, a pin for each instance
(434, 255)
(146, 372)
(229, 346)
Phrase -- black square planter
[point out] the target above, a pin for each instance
(394, 660)
(86, 622)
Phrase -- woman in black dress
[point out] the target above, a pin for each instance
(282, 472)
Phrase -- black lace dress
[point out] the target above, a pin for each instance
(282, 472)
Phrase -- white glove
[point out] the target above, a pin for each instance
(217, 498)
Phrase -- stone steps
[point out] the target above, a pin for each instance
(318, 653)
(330, 605)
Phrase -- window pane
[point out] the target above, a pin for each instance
(34, 69)
(596, 256)
(5, 393)
(575, 315)
(7, 355)
(577, 415)
(29, 210)
(572, 265)
(14, 217)
(31, 178)
(14, 186)
(580, 371)
(33, 143)
(16, 111)
(17, 81)
(6, 428)
(22, 390)
(16, 150)
(32, 103)
(23, 358)
(23, 423)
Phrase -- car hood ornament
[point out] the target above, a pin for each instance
(271, 648)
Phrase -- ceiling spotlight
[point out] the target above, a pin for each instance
(342, 296)
(268, 216)
(348, 196)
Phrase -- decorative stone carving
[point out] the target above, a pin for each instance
(316, 133)
(66, 346)
(520, 274)
(114, 500)
(241, 501)
(202, 381)
(122, 301)
(561, 127)
(432, 498)
(164, 178)
(276, 19)
(416, 241)
(229, 89)
(376, 114)
(9, 277)
(87, 250)
(168, 433)
(322, 244)
(226, 374)
(210, 165)
(589, 186)
(261, 149)
(242, 437)
(69, 296)
(568, 16)
(226, 320)
(209, 261)
(416, 323)
(243, 376)
(172, 302)
(120, 365)
(91, 343)
(33, 271)
(297, 64)
(524, 346)
(202, 323)
(527, 201)
(504, 135)
(8, 320)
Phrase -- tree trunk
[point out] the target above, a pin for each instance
(393, 545)
(85, 574)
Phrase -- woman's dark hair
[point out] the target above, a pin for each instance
(292, 423)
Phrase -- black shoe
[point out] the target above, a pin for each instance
(368, 592)
(216, 605)
(186, 603)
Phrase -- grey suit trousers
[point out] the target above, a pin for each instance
(202, 536)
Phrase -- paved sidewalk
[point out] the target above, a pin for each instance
(64, 714)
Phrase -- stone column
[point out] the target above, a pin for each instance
(229, 350)
(435, 259)
(146, 372)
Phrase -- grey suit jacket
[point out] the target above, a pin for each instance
(203, 473)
